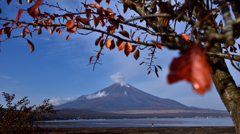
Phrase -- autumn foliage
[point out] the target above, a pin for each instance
(204, 43)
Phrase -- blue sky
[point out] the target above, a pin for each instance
(58, 70)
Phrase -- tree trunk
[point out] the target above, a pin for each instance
(226, 87)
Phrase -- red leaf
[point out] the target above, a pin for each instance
(83, 20)
(101, 43)
(8, 1)
(36, 4)
(125, 7)
(141, 63)
(24, 32)
(162, 40)
(124, 33)
(1, 31)
(33, 12)
(108, 1)
(159, 67)
(90, 60)
(19, 15)
(193, 67)
(157, 44)
(156, 71)
(136, 54)
(31, 46)
(5, 24)
(6, 30)
(70, 24)
(88, 13)
(68, 37)
(30, 32)
(149, 72)
(98, 1)
(112, 45)
(97, 41)
(98, 55)
(39, 30)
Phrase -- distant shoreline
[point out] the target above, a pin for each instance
(141, 130)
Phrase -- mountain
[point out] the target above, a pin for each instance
(122, 99)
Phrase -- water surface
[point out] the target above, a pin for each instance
(158, 122)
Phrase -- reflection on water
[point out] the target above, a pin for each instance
(138, 122)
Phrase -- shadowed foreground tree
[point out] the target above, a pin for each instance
(205, 43)
(18, 118)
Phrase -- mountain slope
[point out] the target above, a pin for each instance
(119, 99)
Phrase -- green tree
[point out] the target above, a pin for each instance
(18, 118)
(205, 43)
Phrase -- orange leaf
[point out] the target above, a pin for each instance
(70, 24)
(136, 54)
(193, 67)
(185, 37)
(68, 37)
(121, 46)
(128, 48)
(30, 32)
(19, 15)
(124, 33)
(39, 30)
(112, 45)
(108, 1)
(82, 20)
(98, 55)
(31, 46)
(50, 31)
(98, 1)
(73, 29)
(157, 44)
(97, 41)
(90, 60)
(96, 20)
(108, 43)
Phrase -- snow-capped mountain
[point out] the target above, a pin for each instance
(119, 98)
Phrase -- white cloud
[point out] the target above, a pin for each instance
(59, 101)
(119, 78)
(5, 77)
(98, 95)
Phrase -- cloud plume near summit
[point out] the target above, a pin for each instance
(119, 78)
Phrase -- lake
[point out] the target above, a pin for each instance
(158, 122)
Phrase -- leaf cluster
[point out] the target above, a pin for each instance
(18, 117)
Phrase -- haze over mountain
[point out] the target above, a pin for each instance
(123, 98)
